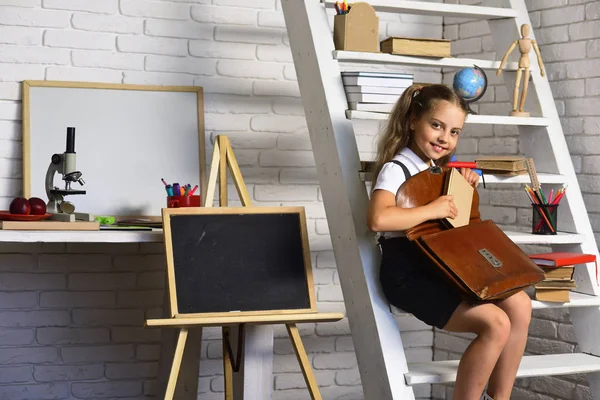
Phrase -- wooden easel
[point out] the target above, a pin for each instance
(223, 158)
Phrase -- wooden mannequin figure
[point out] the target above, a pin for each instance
(524, 48)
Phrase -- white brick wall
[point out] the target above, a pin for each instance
(71, 315)
(568, 33)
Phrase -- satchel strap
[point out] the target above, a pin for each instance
(406, 171)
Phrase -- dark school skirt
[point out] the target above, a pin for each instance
(410, 282)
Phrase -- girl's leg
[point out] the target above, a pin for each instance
(518, 309)
(492, 326)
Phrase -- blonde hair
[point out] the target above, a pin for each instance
(416, 101)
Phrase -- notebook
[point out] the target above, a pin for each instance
(462, 191)
(559, 259)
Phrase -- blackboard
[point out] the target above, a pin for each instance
(242, 260)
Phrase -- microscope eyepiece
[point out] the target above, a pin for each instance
(70, 140)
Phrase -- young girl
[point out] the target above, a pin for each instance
(422, 131)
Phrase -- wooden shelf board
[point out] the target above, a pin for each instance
(539, 365)
(438, 9)
(245, 319)
(384, 58)
(471, 119)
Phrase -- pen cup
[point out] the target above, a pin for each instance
(183, 201)
(358, 30)
(545, 217)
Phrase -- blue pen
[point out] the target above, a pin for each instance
(176, 190)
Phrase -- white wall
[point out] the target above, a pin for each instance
(71, 315)
(568, 34)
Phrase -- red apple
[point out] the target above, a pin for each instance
(38, 206)
(20, 205)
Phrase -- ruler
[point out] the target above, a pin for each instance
(535, 183)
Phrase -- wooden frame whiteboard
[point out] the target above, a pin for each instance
(253, 316)
(127, 138)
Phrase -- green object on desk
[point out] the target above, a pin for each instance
(105, 219)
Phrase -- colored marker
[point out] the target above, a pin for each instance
(163, 181)
(176, 189)
(193, 190)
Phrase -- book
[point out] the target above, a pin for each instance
(502, 163)
(560, 259)
(559, 273)
(371, 107)
(375, 89)
(553, 295)
(372, 98)
(410, 46)
(570, 284)
(462, 191)
(378, 79)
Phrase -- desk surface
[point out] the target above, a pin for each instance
(9, 236)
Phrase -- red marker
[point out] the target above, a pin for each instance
(193, 190)
(461, 164)
(163, 181)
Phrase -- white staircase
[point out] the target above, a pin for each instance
(384, 370)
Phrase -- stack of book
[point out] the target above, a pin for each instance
(374, 91)
(559, 268)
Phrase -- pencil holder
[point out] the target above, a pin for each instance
(183, 201)
(358, 30)
(545, 217)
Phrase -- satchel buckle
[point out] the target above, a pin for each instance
(490, 258)
(436, 170)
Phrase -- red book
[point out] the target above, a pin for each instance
(561, 259)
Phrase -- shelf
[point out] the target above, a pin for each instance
(543, 365)
(156, 235)
(518, 179)
(384, 58)
(437, 9)
(471, 119)
(577, 300)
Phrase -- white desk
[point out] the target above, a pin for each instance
(258, 348)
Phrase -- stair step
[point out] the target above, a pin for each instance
(384, 58)
(521, 179)
(577, 300)
(437, 9)
(541, 365)
(471, 119)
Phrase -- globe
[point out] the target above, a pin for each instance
(470, 84)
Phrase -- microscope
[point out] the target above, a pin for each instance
(64, 164)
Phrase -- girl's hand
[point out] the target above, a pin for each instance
(443, 207)
(470, 175)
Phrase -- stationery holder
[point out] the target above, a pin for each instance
(357, 30)
(545, 217)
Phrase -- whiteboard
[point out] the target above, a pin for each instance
(127, 137)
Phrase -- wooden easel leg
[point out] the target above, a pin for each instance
(307, 371)
(227, 366)
(186, 387)
(183, 333)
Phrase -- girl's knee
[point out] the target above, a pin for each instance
(519, 309)
(496, 327)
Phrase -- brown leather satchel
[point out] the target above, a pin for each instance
(478, 258)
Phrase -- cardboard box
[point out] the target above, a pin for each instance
(358, 30)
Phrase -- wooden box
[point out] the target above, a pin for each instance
(358, 30)
(416, 47)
